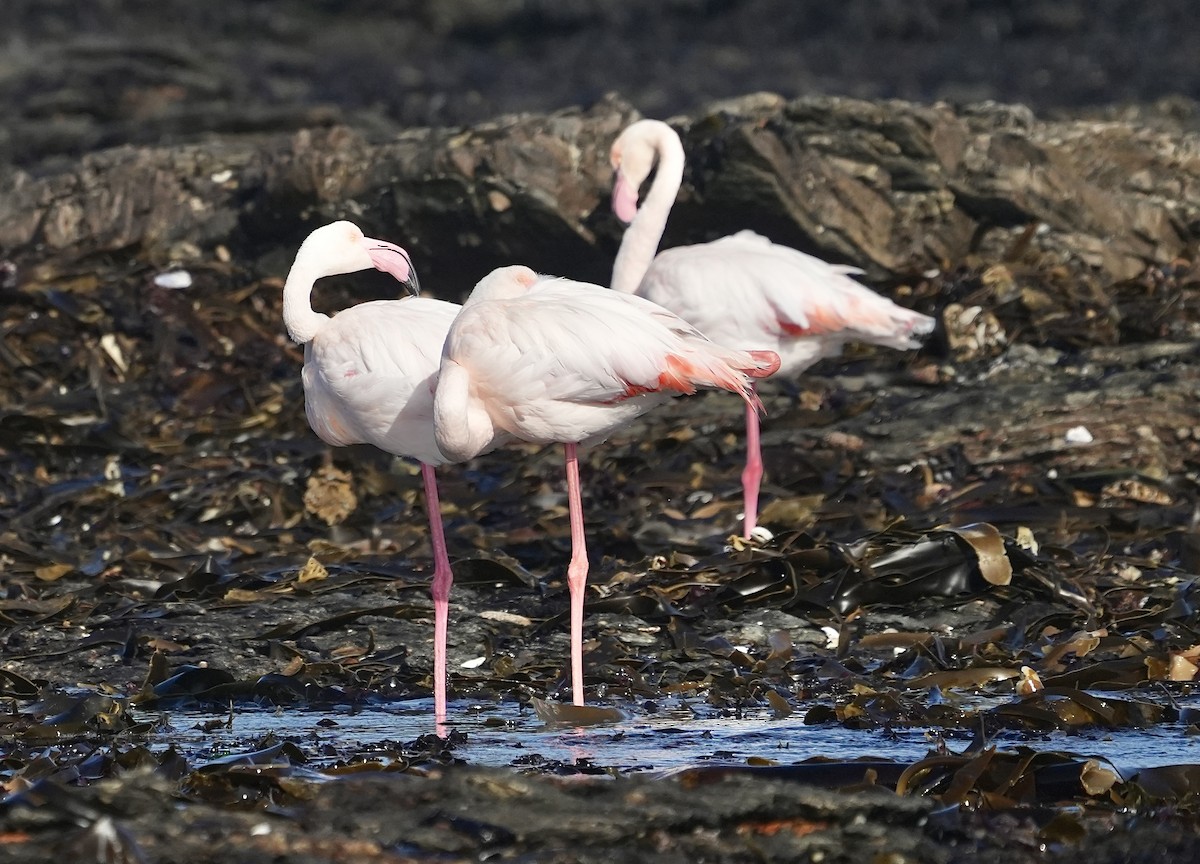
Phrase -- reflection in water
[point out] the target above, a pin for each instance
(503, 735)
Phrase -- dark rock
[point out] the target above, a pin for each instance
(74, 80)
(893, 187)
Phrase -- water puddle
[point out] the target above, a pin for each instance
(507, 736)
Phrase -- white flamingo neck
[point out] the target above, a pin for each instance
(640, 243)
(302, 322)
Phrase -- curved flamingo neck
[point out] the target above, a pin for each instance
(302, 322)
(642, 237)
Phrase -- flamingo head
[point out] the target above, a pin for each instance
(341, 247)
(504, 283)
(632, 157)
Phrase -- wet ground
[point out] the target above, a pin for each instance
(965, 600)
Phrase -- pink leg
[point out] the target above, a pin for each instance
(443, 578)
(577, 572)
(752, 475)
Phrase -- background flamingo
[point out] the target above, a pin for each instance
(551, 360)
(369, 376)
(742, 290)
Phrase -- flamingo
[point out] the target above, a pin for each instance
(369, 376)
(743, 289)
(550, 360)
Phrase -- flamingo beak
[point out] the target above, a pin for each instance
(624, 198)
(393, 260)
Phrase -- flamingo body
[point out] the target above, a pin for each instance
(745, 290)
(742, 290)
(569, 362)
(369, 376)
(555, 361)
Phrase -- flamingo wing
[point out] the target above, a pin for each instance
(572, 342)
(744, 287)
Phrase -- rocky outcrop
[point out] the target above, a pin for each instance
(896, 188)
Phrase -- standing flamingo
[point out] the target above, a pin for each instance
(743, 289)
(369, 376)
(555, 361)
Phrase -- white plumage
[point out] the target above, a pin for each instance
(370, 375)
(567, 361)
(369, 378)
(743, 291)
(746, 291)
(550, 360)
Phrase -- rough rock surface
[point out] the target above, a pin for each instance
(893, 187)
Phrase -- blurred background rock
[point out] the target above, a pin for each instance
(75, 77)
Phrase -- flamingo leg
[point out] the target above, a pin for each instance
(577, 572)
(443, 578)
(753, 472)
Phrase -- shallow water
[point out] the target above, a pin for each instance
(507, 736)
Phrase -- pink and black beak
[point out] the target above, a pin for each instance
(393, 260)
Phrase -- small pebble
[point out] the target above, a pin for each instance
(174, 279)
(1078, 435)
